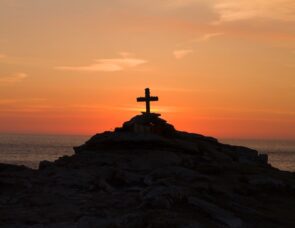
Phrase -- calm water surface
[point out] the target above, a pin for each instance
(29, 150)
(281, 153)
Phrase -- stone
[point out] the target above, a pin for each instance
(263, 158)
(177, 172)
(148, 174)
(92, 222)
(224, 217)
(163, 196)
(59, 225)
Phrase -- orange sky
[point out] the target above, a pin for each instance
(224, 68)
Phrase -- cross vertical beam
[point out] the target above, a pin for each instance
(147, 103)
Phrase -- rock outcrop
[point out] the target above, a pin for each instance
(147, 174)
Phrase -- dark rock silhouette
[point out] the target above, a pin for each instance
(148, 174)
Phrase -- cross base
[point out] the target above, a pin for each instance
(151, 114)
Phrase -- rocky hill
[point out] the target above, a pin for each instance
(147, 174)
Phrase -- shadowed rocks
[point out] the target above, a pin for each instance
(148, 174)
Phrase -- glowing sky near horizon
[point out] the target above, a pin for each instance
(224, 68)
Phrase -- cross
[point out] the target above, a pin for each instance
(147, 99)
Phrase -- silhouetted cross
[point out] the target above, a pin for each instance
(147, 99)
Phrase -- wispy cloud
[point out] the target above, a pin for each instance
(126, 54)
(184, 90)
(13, 78)
(164, 4)
(253, 110)
(108, 65)
(21, 100)
(179, 54)
(7, 101)
(162, 109)
(178, 3)
(202, 38)
(2, 56)
(137, 108)
(25, 105)
(207, 37)
(233, 10)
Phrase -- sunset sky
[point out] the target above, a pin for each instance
(224, 68)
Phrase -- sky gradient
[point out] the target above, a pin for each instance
(224, 68)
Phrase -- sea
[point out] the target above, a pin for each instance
(29, 150)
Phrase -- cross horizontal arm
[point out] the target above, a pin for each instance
(144, 99)
(154, 98)
(141, 99)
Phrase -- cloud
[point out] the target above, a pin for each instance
(24, 105)
(233, 10)
(178, 3)
(163, 4)
(7, 101)
(203, 38)
(208, 36)
(184, 90)
(108, 65)
(126, 54)
(2, 56)
(179, 54)
(13, 78)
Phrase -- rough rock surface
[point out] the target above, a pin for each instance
(147, 174)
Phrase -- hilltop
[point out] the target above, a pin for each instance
(148, 174)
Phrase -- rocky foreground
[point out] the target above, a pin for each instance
(147, 174)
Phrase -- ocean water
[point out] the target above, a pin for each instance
(281, 153)
(29, 150)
